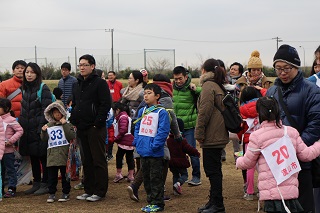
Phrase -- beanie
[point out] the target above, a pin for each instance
(287, 54)
(255, 61)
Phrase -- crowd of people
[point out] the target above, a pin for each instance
(156, 125)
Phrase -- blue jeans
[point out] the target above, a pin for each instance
(179, 175)
(8, 160)
(195, 161)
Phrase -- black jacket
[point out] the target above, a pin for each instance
(91, 102)
(32, 119)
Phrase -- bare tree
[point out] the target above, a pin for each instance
(48, 71)
(158, 65)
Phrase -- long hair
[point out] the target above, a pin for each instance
(36, 69)
(212, 65)
(137, 75)
(249, 93)
(268, 110)
(312, 68)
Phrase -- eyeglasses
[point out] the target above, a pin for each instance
(83, 65)
(285, 69)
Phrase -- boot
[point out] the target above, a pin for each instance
(214, 209)
(207, 205)
(42, 190)
(130, 177)
(35, 187)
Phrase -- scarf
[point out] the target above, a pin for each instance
(132, 94)
(167, 87)
(253, 80)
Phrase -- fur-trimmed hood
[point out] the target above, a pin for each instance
(48, 111)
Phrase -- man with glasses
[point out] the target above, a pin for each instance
(299, 101)
(90, 106)
(66, 82)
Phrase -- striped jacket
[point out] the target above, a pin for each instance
(66, 85)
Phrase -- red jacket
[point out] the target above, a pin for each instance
(9, 86)
(178, 151)
(115, 88)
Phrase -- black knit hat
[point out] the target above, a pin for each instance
(287, 54)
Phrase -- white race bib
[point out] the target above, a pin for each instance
(112, 91)
(149, 124)
(253, 124)
(56, 137)
(282, 159)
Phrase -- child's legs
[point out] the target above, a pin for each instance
(145, 169)
(165, 171)
(183, 175)
(175, 174)
(119, 157)
(250, 177)
(129, 159)
(8, 160)
(65, 184)
(52, 179)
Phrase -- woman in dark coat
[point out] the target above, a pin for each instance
(32, 119)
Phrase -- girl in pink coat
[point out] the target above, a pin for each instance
(10, 132)
(276, 148)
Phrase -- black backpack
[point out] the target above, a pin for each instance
(231, 114)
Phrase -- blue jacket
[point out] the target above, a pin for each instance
(313, 78)
(66, 84)
(302, 99)
(152, 146)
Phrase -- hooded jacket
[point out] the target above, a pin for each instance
(210, 123)
(57, 156)
(13, 132)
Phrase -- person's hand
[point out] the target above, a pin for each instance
(63, 120)
(44, 128)
(258, 87)
(193, 86)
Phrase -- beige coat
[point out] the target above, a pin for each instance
(210, 123)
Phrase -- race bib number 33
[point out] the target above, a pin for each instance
(56, 137)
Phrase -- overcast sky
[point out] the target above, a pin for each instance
(196, 30)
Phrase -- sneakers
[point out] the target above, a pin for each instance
(195, 181)
(10, 193)
(133, 193)
(117, 178)
(94, 198)
(166, 198)
(177, 189)
(64, 198)
(79, 186)
(42, 190)
(51, 198)
(83, 196)
(152, 208)
(248, 197)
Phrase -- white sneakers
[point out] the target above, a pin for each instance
(92, 198)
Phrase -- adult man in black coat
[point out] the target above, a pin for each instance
(90, 106)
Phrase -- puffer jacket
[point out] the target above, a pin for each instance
(57, 156)
(66, 84)
(183, 104)
(124, 136)
(210, 126)
(2, 139)
(178, 151)
(13, 132)
(32, 119)
(152, 146)
(9, 86)
(268, 134)
(302, 99)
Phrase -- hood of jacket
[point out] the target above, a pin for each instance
(48, 111)
(208, 76)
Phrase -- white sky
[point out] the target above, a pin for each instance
(197, 29)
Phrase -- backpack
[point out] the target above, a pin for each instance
(39, 94)
(195, 98)
(231, 114)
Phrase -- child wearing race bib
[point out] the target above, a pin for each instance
(10, 132)
(57, 133)
(151, 131)
(276, 148)
(124, 139)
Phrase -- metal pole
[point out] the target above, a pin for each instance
(174, 58)
(145, 58)
(112, 62)
(118, 62)
(35, 54)
(75, 59)
(304, 58)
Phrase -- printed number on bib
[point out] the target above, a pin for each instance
(149, 124)
(56, 137)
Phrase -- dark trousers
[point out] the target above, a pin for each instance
(212, 167)
(95, 166)
(8, 168)
(53, 179)
(152, 169)
(306, 190)
(110, 148)
(129, 158)
(179, 175)
(38, 163)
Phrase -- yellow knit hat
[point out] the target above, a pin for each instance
(255, 61)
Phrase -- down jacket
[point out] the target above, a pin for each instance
(9, 86)
(210, 126)
(124, 136)
(268, 134)
(13, 132)
(178, 151)
(32, 119)
(302, 99)
(57, 156)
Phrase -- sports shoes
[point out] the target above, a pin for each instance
(10, 193)
(94, 198)
(51, 198)
(83, 196)
(166, 198)
(195, 181)
(152, 208)
(118, 178)
(248, 197)
(79, 186)
(177, 189)
(64, 198)
(133, 193)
